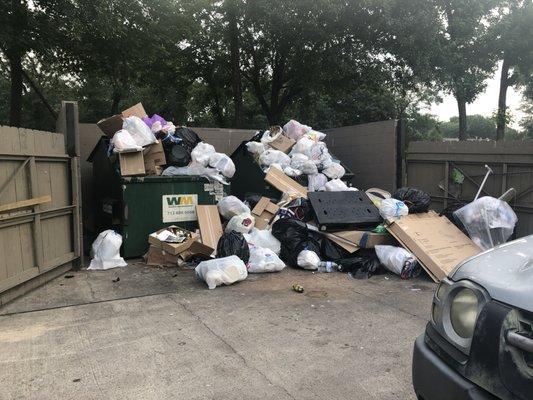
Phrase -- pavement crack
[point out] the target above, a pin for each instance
(233, 350)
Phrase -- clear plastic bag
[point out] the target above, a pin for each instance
(295, 130)
(263, 238)
(308, 259)
(396, 259)
(195, 169)
(271, 135)
(488, 221)
(106, 251)
(309, 168)
(221, 271)
(334, 171)
(230, 206)
(223, 163)
(316, 136)
(392, 209)
(123, 141)
(264, 260)
(292, 172)
(242, 223)
(140, 132)
(316, 182)
(202, 152)
(274, 157)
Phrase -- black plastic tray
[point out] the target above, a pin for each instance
(343, 210)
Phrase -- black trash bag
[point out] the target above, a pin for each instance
(233, 243)
(302, 209)
(289, 252)
(362, 265)
(416, 200)
(290, 231)
(189, 137)
(178, 156)
(331, 251)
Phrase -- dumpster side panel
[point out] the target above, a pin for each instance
(152, 203)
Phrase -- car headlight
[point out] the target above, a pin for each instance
(463, 312)
(456, 306)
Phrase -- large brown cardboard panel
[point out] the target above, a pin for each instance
(110, 125)
(210, 225)
(136, 110)
(437, 243)
(263, 212)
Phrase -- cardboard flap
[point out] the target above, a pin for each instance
(136, 110)
(438, 244)
(284, 183)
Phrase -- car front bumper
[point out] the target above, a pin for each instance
(433, 379)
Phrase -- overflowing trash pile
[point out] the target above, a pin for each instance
(318, 222)
(154, 146)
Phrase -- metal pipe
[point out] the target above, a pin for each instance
(489, 171)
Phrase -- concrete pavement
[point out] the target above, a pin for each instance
(160, 334)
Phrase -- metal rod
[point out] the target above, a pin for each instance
(489, 171)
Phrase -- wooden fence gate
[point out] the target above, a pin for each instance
(40, 234)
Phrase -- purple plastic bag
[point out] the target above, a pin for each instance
(153, 120)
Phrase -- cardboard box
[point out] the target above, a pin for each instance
(136, 110)
(113, 124)
(172, 248)
(159, 257)
(197, 249)
(131, 163)
(110, 125)
(154, 158)
(210, 225)
(438, 244)
(364, 239)
(284, 183)
(263, 212)
(283, 143)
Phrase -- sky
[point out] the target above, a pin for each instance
(485, 104)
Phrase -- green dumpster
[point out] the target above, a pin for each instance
(138, 206)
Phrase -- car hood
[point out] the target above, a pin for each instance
(506, 272)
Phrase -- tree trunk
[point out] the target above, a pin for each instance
(116, 102)
(235, 64)
(461, 104)
(502, 101)
(15, 107)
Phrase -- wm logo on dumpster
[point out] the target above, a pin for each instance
(179, 207)
(185, 200)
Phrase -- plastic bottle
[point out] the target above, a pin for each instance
(327, 266)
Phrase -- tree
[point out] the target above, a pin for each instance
(514, 25)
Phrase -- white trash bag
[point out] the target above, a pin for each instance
(298, 159)
(315, 135)
(221, 271)
(392, 209)
(309, 168)
(271, 135)
(223, 163)
(308, 259)
(334, 171)
(295, 130)
(263, 238)
(316, 182)
(140, 132)
(488, 221)
(230, 206)
(395, 259)
(336, 185)
(242, 223)
(264, 260)
(274, 157)
(303, 146)
(255, 147)
(292, 172)
(106, 251)
(202, 152)
(123, 141)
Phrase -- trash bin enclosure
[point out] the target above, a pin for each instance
(249, 178)
(138, 206)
